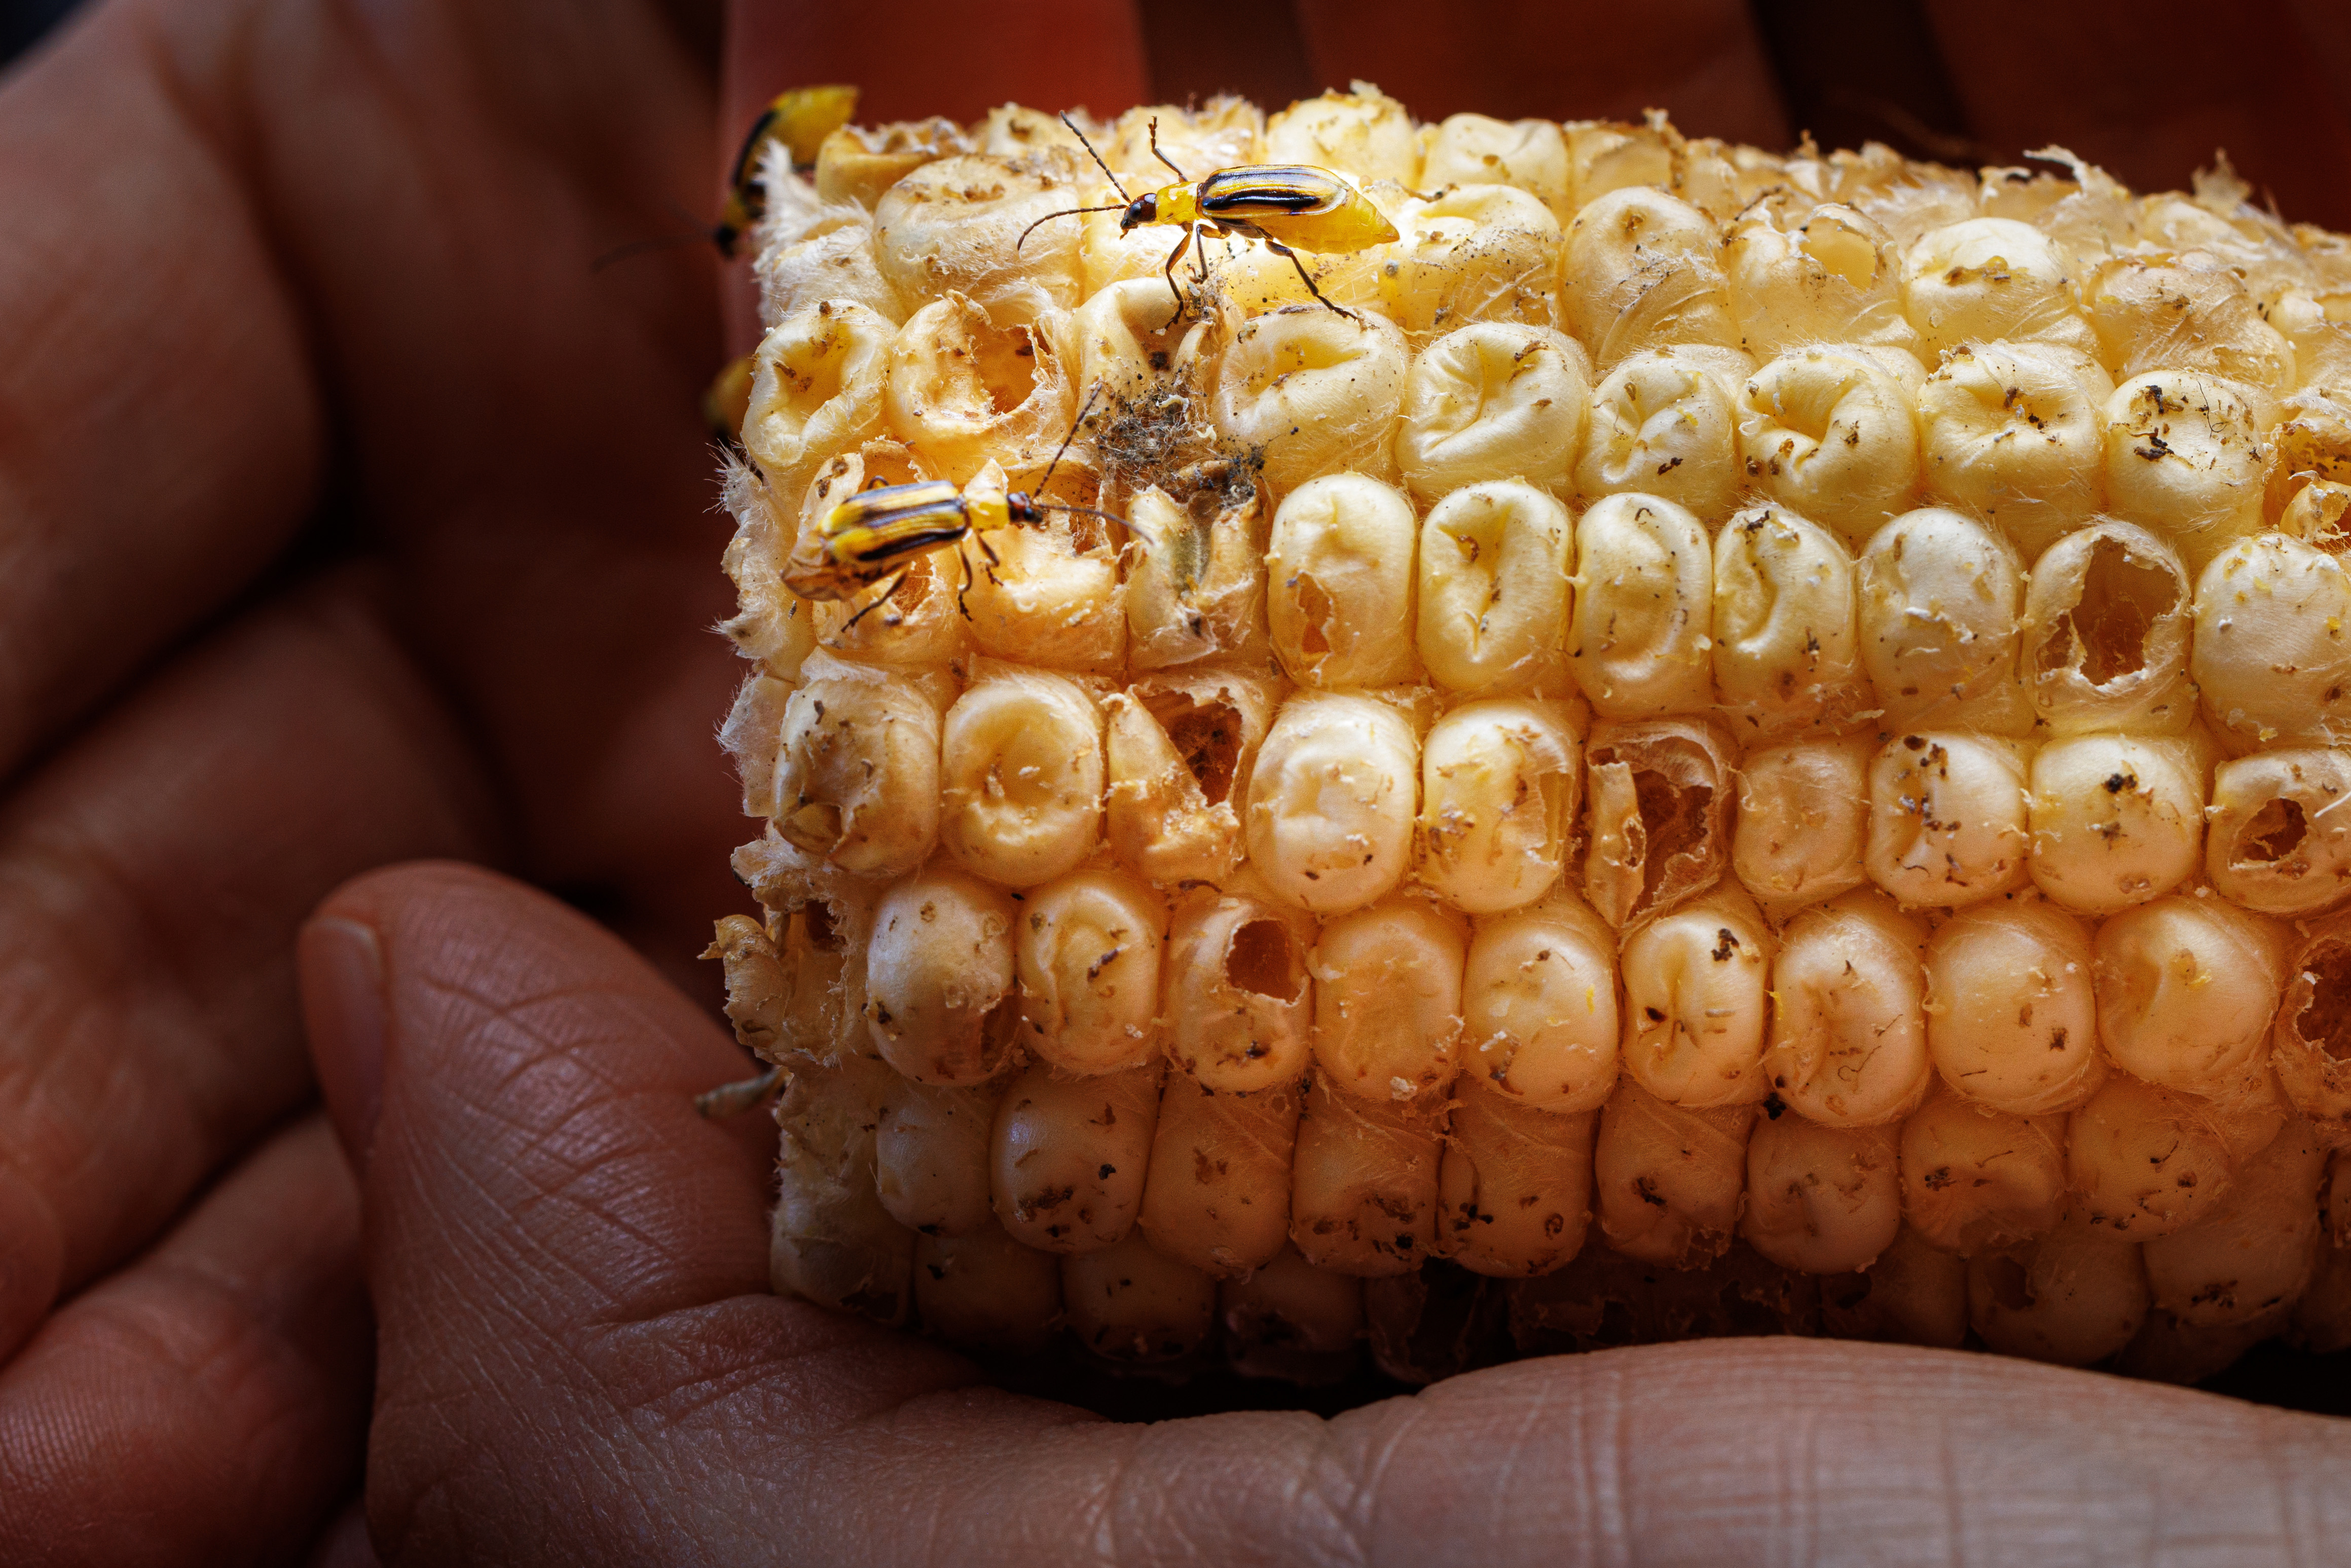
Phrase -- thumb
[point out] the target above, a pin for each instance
(580, 1363)
(537, 1189)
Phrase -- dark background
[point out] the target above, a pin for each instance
(1961, 81)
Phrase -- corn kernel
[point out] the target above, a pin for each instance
(1498, 802)
(1670, 1181)
(2016, 432)
(1217, 1193)
(1495, 400)
(939, 962)
(1237, 994)
(2186, 988)
(1829, 433)
(1363, 1190)
(1941, 597)
(1696, 988)
(1493, 592)
(1640, 270)
(2276, 842)
(2107, 616)
(1339, 574)
(2073, 1297)
(1848, 1039)
(1387, 1001)
(1020, 772)
(1657, 808)
(1644, 604)
(1975, 1179)
(1067, 1155)
(1803, 820)
(1515, 1183)
(1539, 1005)
(816, 387)
(2011, 1016)
(1985, 280)
(2116, 819)
(1331, 801)
(1825, 1200)
(1786, 656)
(1087, 957)
(1665, 424)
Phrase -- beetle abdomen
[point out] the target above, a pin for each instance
(1270, 190)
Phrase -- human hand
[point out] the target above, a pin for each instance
(376, 228)
(580, 1363)
(347, 517)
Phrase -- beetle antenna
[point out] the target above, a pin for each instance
(1076, 426)
(1161, 156)
(696, 229)
(1096, 157)
(1049, 217)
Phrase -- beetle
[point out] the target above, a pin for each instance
(1278, 205)
(799, 120)
(879, 531)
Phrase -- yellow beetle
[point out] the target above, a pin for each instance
(879, 531)
(1278, 205)
(799, 120)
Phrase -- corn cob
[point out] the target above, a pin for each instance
(1717, 743)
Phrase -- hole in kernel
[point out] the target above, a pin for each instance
(2274, 833)
(1673, 822)
(1315, 610)
(2326, 1019)
(1848, 254)
(817, 925)
(1263, 959)
(1005, 363)
(1312, 351)
(2121, 599)
(2008, 1285)
(1807, 403)
(1208, 736)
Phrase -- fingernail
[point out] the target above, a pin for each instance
(341, 966)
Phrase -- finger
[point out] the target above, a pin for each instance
(206, 1405)
(1702, 59)
(1729, 1451)
(573, 1364)
(152, 877)
(554, 1235)
(439, 179)
(162, 435)
(2152, 100)
(344, 1542)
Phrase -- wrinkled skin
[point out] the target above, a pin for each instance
(347, 517)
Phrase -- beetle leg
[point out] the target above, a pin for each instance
(1190, 231)
(1281, 250)
(877, 601)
